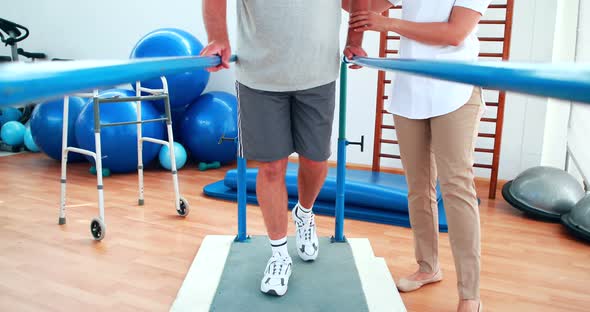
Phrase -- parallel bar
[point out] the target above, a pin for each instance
(242, 200)
(388, 127)
(561, 81)
(392, 51)
(393, 37)
(341, 158)
(28, 82)
(114, 124)
(494, 104)
(489, 119)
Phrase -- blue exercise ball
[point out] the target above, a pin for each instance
(29, 142)
(119, 143)
(13, 133)
(212, 116)
(179, 155)
(186, 87)
(9, 114)
(47, 127)
(177, 115)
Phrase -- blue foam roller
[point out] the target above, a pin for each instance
(378, 190)
(370, 196)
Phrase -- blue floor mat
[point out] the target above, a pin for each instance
(370, 196)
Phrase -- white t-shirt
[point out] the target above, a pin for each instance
(288, 45)
(418, 97)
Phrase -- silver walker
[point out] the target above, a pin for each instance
(98, 224)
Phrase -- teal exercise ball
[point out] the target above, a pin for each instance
(184, 88)
(13, 133)
(29, 142)
(179, 153)
(9, 114)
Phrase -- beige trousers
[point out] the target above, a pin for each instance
(442, 147)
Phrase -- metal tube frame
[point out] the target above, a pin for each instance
(161, 94)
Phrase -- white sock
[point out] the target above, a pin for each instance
(280, 246)
(302, 212)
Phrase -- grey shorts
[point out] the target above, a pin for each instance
(273, 125)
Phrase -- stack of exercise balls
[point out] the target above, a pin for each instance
(199, 121)
(204, 125)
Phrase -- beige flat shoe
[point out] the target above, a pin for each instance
(406, 285)
(480, 307)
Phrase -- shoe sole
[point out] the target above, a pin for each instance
(272, 292)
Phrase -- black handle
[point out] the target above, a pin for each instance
(32, 55)
(361, 143)
(224, 138)
(13, 31)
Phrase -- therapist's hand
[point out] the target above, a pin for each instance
(220, 48)
(353, 50)
(367, 20)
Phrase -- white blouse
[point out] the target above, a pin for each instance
(416, 97)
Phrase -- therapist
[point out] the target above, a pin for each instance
(437, 124)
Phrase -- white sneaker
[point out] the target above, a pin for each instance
(306, 237)
(276, 275)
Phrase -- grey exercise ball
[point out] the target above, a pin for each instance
(543, 192)
(578, 219)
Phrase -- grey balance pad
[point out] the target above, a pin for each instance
(330, 283)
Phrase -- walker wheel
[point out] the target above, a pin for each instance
(98, 229)
(183, 208)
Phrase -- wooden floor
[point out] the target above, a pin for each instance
(526, 265)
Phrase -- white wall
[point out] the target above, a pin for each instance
(580, 117)
(109, 28)
(558, 112)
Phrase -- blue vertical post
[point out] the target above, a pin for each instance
(341, 162)
(242, 200)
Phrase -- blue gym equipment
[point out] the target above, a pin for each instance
(22, 84)
(184, 87)
(370, 196)
(13, 133)
(179, 152)
(119, 144)
(47, 126)
(29, 142)
(209, 128)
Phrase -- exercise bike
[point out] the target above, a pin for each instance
(11, 34)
